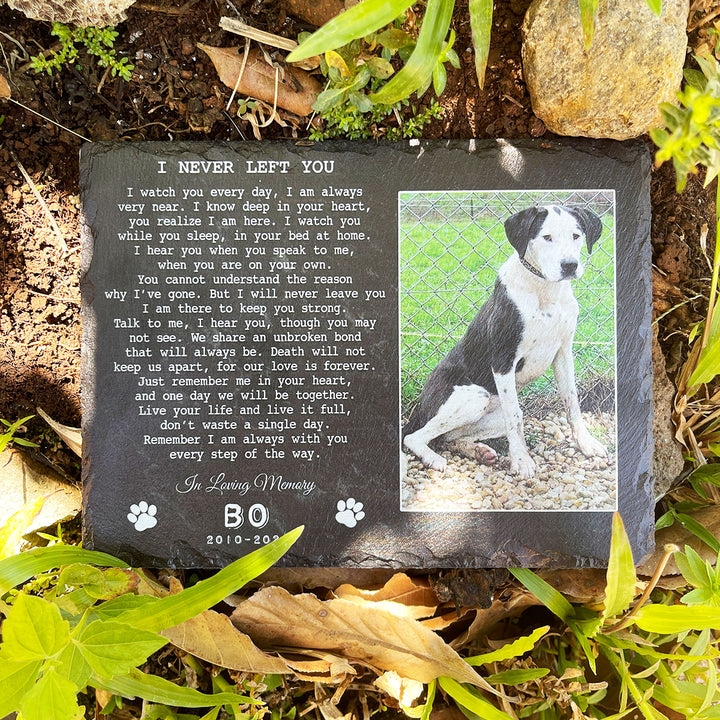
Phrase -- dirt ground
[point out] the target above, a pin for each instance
(175, 94)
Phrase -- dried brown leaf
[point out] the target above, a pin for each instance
(273, 617)
(405, 691)
(4, 87)
(415, 594)
(212, 637)
(291, 88)
(72, 436)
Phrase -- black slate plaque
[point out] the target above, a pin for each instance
(260, 320)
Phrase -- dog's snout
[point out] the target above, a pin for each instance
(568, 268)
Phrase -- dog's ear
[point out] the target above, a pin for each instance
(590, 223)
(523, 226)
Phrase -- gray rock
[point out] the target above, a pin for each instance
(667, 457)
(613, 90)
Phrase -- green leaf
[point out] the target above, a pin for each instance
(174, 609)
(356, 22)
(34, 629)
(588, 11)
(19, 568)
(516, 677)
(380, 68)
(514, 649)
(394, 38)
(327, 99)
(419, 67)
(158, 690)
(666, 620)
(481, 12)
(470, 699)
(545, 593)
(708, 365)
(113, 648)
(80, 575)
(620, 587)
(16, 525)
(699, 530)
(16, 678)
(72, 665)
(655, 6)
(113, 609)
(52, 698)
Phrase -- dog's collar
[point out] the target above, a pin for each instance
(530, 267)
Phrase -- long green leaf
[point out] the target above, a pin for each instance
(158, 690)
(545, 593)
(481, 13)
(419, 68)
(668, 619)
(174, 609)
(655, 6)
(514, 649)
(588, 11)
(468, 698)
(356, 22)
(699, 530)
(620, 587)
(19, 568)
(16, 525)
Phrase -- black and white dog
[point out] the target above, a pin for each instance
(527, 324)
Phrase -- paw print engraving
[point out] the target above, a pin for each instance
(349, 512)
(142, 516)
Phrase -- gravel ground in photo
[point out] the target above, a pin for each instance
(564, 478)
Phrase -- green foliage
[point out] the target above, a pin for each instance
(356, 71)
(427, 57)
(691, 137)
(669, 657)
(9, 434)
(96, 41)
(89, 629)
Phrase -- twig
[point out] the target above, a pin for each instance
(50, 120)
(42, 202)
(240, 28)
(59, 298)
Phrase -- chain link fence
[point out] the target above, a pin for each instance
(451, 246)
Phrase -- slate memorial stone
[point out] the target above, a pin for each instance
(430, 354)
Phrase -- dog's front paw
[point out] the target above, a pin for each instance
(523, 466)
(589, 446)
(436, 462)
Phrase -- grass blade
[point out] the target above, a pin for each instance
(356, 22)
(669, 619)
(545, 593)
(481, 12)
(620, 588)
(419, 68)
(514, 649)
(158, 690)
(588, 11)
(19, 568)
(174, 609)
(655, 6)
(471, 700)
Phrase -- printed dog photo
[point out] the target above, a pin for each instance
(508, 351)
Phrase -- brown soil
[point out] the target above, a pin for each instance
(175, 94)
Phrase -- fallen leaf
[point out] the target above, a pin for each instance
(23, 480)
(291, 88)
(404, 690)
(413, 594)
(273, 617)
(299, 579)
(72, 436)
(4, 87)
(212, 637)
(446, 619)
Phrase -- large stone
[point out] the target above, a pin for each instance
(78, 12)
(613, 89)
